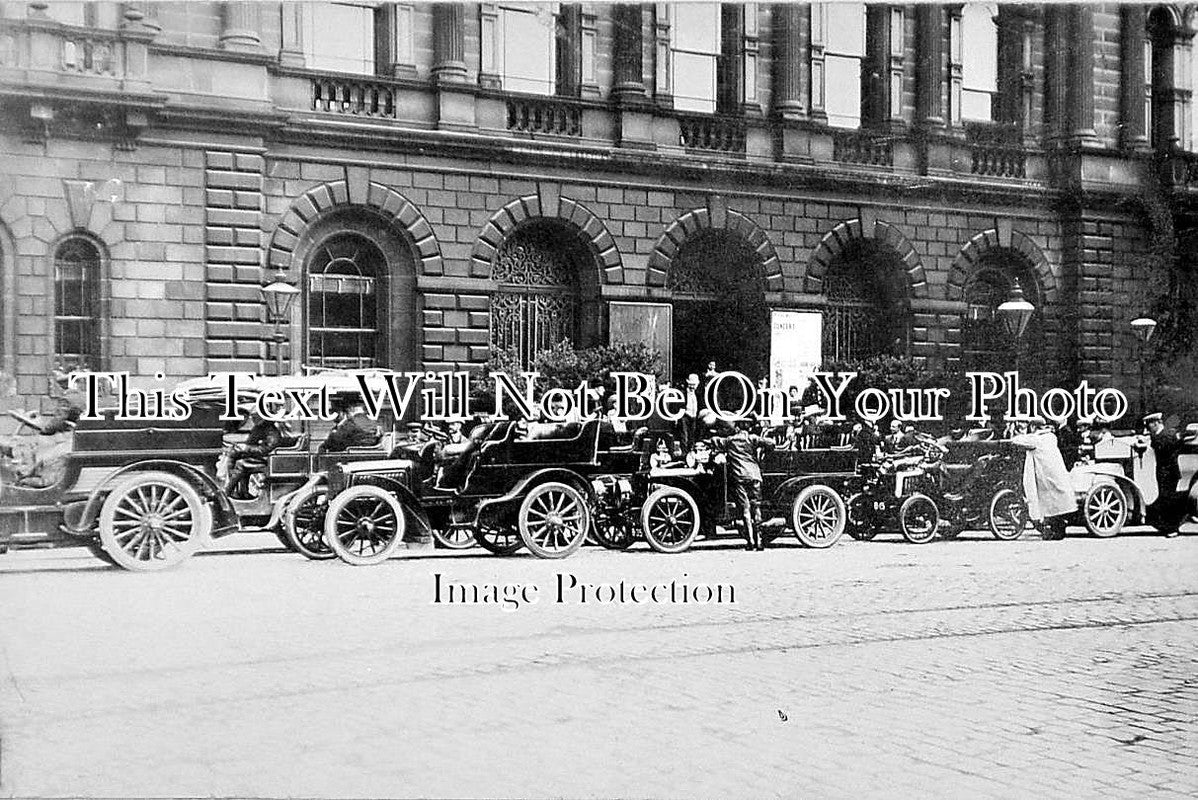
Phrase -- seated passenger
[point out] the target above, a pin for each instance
(354, 428)
(249, 458)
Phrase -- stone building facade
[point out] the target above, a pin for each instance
(440, 180)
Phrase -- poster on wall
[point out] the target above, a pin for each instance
(795, 347)
(650, 323)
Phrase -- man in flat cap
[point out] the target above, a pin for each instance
(1169, 508)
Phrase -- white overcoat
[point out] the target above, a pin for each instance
(1046, 483)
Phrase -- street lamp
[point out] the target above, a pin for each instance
(278, 297)
(1015, 314)
(1143, 327)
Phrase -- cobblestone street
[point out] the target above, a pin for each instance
(973, 668)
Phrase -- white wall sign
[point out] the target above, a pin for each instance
(796, 339)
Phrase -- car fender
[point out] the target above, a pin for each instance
(1134, 495)
(789, 488)
(522, 487)
(405, 496)
(226, 516)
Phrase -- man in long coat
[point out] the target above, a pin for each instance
(1169, 509)
(1046, 485)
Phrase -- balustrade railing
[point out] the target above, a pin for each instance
(997, 151)
(91, 53)
(558, 117)
(354, 96)
(863, 147)
(717, 134)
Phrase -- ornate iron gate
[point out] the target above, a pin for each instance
(537, 303)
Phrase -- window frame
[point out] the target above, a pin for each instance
(314, 333)
(308, 38)
(91, 291)
(705, 105)
(502, 10)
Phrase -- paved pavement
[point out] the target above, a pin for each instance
(973, 668)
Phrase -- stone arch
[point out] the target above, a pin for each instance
(335, 195)
(1000, 240)
(716, 216)
(837, 241)
(548, 204)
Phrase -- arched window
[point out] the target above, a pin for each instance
(977, 50)
(865, 314)
(1167, 92)
(986, 345)
(345, 276)
(77, 264)
(539, 269)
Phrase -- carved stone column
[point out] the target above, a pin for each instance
(1080, 87)
(628, 67)
(1132, 37)
(291, 28)
(929, 49)
(790, 101)
(449, 43)
(241, 26)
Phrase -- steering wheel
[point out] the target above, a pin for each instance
(26, 419)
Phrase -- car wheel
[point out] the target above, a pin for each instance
(364, 525)
(861, 521)
(553, 520)
(502, 540)
(670, 519)
(455, 538)
(818, 516)
(1008, 514)
(1105, 510)
(919, 519)
(303, 524)
(613, 532)
(152, 521)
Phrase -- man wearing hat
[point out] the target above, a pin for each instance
(250, 456)
(744, 472)
(1046, 485)
(1169, 509)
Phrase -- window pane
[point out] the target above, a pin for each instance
(696, 28)
(979, 68)
(339, 37)
(528, 51)
(694, 83)
(976, 105)
(846, 29)
(343, 302)
(843, 96)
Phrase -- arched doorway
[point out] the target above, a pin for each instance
(867, 306)
(720, 313)
(359, 294)
(986, 345)
(547, 291)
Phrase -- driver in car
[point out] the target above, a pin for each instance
(249, 457)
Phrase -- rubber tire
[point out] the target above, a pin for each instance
(1003, 534)
(692, 508)
(454, 544)
(863, 529)
(824, 495)
(492, 544)
(198, 537)
(333, 515)
(910, 507)
(1122, 512)
(526, 507)
(318, 552)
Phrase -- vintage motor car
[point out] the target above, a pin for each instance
(1115, 482)
(145, 495)
(673, 505)
(511, 484)
(941, 487)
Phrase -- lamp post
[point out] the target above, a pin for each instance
(1016, 312)
(278, 297)
(1143, 327)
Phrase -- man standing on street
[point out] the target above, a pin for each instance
(1168, 510)
(688, 424)
(744, 473)
(1046, 485)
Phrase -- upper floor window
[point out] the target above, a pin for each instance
(529, 52)
(979, 61)
(339, 37)
(77, 305)
(694, 56)
(1167, 75)
(844, 51)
